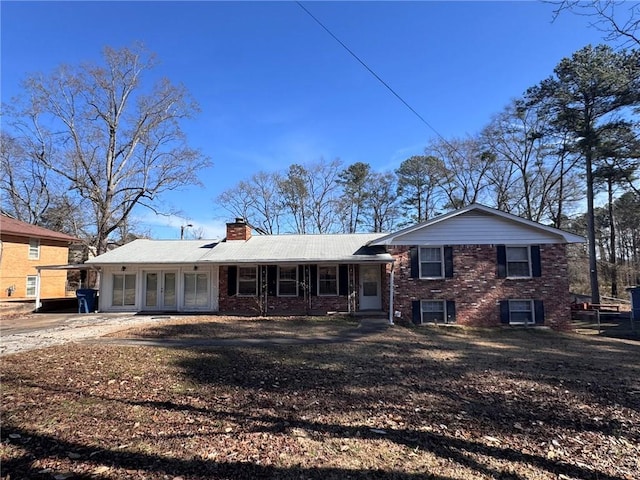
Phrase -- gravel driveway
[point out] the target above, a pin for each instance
(38, 330)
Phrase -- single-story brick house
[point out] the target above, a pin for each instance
(473, 266)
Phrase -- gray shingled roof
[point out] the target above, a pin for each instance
(156, 251)
(264, 249)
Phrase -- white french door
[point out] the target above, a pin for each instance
(160, 290)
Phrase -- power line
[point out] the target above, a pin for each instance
(406, 104)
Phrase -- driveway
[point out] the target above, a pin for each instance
(39, 330)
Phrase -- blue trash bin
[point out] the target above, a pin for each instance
(86, 300)
(635, 303)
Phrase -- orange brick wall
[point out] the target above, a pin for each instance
(15, 266)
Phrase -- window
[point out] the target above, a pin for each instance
(247, 281)
(520, 312)
(34, 249)
(430, 262)
(437, 311)
(518, 264)
(196, 290)
(327, 280)
(124, 289)
(32, 282)
(288, 281)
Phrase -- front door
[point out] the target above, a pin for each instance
(160, 290)
(370, 297)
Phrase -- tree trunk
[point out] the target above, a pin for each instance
(612, 241)
(591, 232)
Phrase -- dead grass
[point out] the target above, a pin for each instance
(225, 327)
(404, 404)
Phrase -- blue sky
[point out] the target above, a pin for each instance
(276, 89)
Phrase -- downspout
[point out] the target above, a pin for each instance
(391, 288)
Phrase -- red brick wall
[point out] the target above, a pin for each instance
(241, 305)
(476, 288)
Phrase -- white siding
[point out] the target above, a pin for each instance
(473, 229)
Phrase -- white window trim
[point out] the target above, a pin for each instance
(337, 281)
(506, 260)
(183, 303)
(35, 256)
(255, 291)
(444, 311)
(121, 304)
(531, 309)
(35, 286)
(288, 281)
(441, 247)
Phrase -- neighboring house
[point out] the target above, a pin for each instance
(25, 247)
(473, 266)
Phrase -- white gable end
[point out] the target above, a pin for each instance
(477, 228)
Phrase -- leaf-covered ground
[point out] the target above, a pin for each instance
(403, 403)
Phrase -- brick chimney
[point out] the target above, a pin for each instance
(238, 230)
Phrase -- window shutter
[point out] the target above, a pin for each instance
(415, 268)
(538, 306)
(343, 280)
(415, 312)
(536, 264)
(502, 261)
(313, 280)
(504, 312)
(451, 311)
(448, 262)
(302, 286)
(272, 280)
(232, 280)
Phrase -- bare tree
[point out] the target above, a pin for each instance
(118, 144)
(323, 187)
(535, 163)
(463, 171)
(257, 200)
(619, 20)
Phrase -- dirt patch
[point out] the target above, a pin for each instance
(407, 403)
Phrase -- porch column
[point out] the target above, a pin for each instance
(391, 294)
(38, 304)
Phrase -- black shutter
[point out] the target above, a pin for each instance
(313, 280)
(538, 311)
(504, 312)
(302, 286)
(232, 280)
(502, 262)
(415, 268)
(343, 280)
(451, 311)
(448, 262)
(415, 312)
(536, 264)
(272, 280)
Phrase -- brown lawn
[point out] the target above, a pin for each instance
(402, 404)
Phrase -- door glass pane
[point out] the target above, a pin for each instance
(118, 290)
(169, 298)
(129, 290)
(196, 290)
(151, 293)
(370, 282)
(202, 290)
